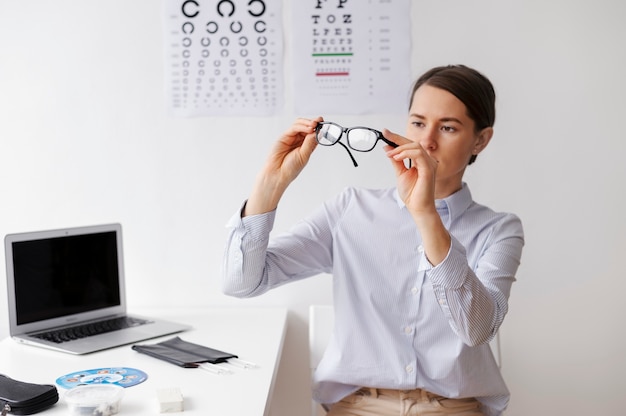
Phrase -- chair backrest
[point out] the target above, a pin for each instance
(321, 321)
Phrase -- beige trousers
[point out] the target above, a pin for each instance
(386, 402)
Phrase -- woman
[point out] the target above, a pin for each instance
(421, 272)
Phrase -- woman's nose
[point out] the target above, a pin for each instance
(429, 139)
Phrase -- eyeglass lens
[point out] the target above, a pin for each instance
(362, 140)
(328, 134)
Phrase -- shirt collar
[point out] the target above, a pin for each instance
(456, 204)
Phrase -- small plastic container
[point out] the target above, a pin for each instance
(94, 399)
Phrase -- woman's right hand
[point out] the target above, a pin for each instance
(288, 157)
(292, 151)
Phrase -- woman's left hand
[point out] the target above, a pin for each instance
(416, 183)
(416, 187)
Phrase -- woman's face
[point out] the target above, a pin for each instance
(439, 122)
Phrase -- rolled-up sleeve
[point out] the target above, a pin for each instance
(473, 292)
(245, 251)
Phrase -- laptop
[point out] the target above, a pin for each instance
(66, 291)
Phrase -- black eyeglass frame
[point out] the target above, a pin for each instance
(346, 130)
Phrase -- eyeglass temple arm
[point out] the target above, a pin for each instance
(349, 153)
(389, 142)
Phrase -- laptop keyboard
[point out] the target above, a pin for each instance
(86, 330)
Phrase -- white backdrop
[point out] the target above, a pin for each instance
(84, 138)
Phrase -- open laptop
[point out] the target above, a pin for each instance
(66, 286)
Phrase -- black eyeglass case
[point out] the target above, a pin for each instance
(184, 353)
(22, 398)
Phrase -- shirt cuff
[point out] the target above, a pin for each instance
(451, 272)
(256, 227)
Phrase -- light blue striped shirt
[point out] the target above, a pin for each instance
(400, 323)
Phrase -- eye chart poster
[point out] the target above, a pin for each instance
(351, 56)
(223, 57)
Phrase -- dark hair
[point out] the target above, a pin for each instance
(468, 85)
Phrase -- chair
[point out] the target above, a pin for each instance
(321, 320)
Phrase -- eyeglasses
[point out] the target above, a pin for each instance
(361, 139)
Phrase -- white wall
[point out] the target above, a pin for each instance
(84, 139)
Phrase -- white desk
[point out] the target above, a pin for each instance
(254, 334)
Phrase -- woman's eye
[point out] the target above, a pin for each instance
(418, 124)
(448, 129)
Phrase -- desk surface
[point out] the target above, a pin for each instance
(254, 334)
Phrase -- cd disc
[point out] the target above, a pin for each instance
(121, 376)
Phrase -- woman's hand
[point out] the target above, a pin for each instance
(416, 187)
(292, 151)
(416, 183)
(288, 157)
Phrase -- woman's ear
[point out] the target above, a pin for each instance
(484, 137)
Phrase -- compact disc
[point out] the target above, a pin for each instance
(120, 376)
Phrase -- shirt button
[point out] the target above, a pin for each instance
(420, 248)
(408, 369)
(442, 301)
(414, 290)
(408, 330)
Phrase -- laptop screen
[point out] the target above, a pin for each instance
(60, 276)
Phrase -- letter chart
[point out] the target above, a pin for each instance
(351, 56)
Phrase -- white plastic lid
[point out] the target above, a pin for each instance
(104, 399)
